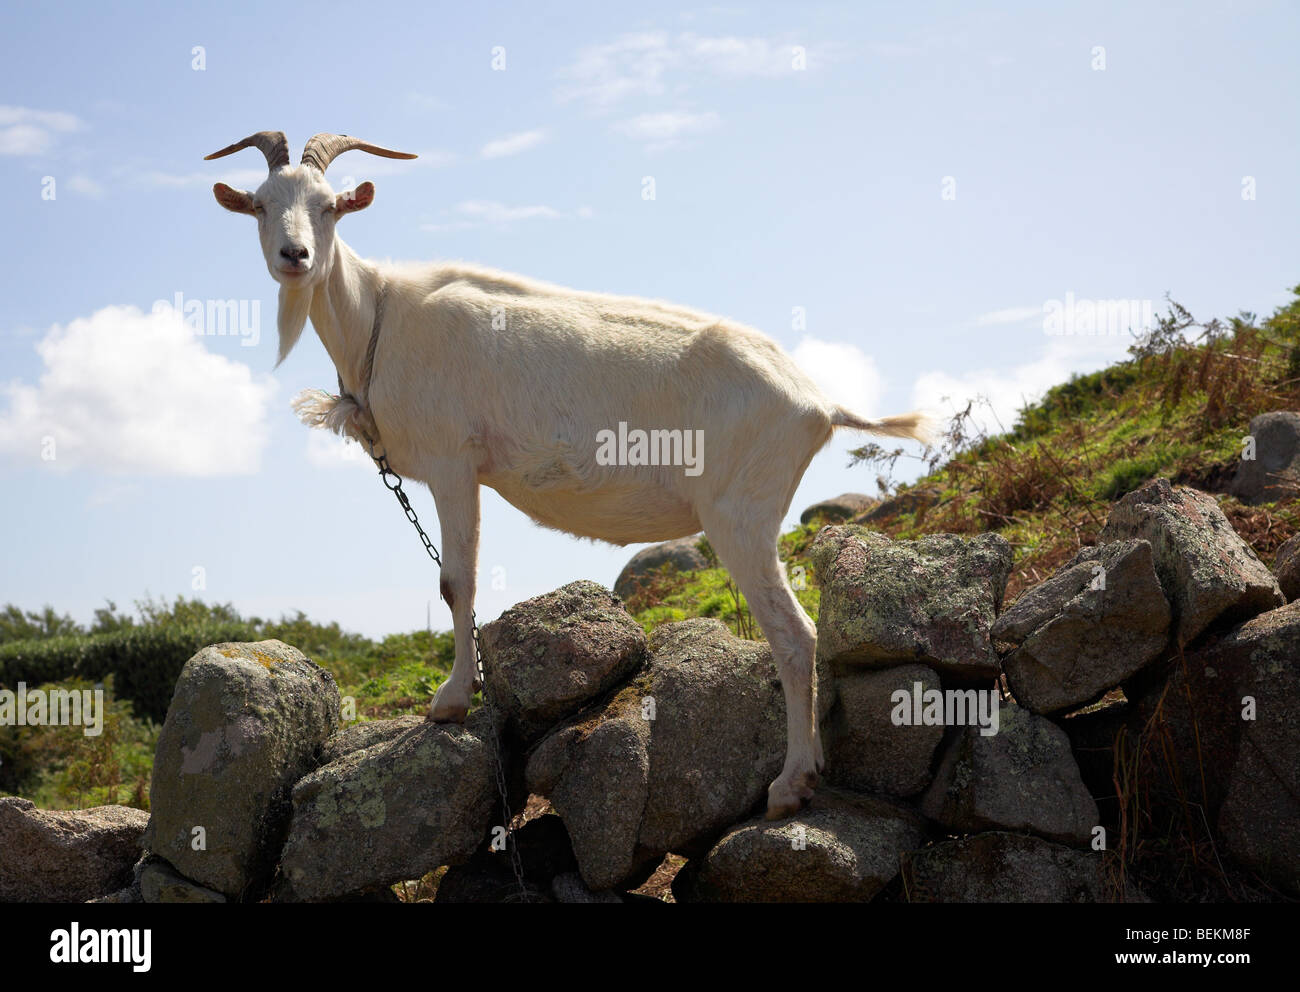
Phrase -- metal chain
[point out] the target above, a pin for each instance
(393, 482)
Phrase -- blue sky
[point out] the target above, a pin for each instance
(930, 179)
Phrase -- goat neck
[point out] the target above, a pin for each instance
(343, 311)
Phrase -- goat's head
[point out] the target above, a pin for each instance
(296, 210)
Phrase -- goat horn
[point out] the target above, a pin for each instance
(324, 148)
(272, 144)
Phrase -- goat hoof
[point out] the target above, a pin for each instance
(447, 708)
(787, 799)
(447, 714)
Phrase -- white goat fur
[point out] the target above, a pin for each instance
(484, 378)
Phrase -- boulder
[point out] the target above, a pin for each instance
(393, 811)
(842, 848)
(930, 601)
(1228, 719)
(1286, 566)
(683, 751)
(1251, 721)
(246, 722)
(66, 856)
(1004, 867)
(360, 736)
(839, 509)
(1091, 626)
(1260, 818)
(866, 749)
(546, 658)
(1208, 573)
(909, 501)
(1274, 473)
(1023, 777)
(681, 555)
(159, 882)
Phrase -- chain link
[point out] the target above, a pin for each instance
(393, 482)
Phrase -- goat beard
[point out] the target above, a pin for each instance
(291, 317)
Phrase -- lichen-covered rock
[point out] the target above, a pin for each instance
(1208, 573)
(682, 554)
(545, 658)
(1004, 867)
(1286, 566)
(842, 848)
(1274, 473)
(598, 778)
(245, 723)
(1260, 818)
(393, 811)
(360, 736)
(160, 883)
(687, 748)
(1091, 626)
(66, 856)
(1229, 720)
(843, 507)
(867, 749)
(931, 601)
(1222, 708)
(1023, 777)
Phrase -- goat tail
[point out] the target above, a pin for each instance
(917, 425)
(341, 414)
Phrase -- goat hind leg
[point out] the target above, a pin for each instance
(752, 561)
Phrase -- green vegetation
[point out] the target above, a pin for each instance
(136, 659)
(1178, 408)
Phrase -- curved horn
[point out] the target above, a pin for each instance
(324, 148)
(272, 144)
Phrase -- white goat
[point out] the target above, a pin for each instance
(470, 377)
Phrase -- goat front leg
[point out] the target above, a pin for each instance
(455, 491)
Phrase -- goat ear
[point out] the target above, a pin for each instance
(355, 199)
(234, 200)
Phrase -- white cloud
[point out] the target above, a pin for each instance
(513, 144)
(847, 375)
(327, 450)
(24, 131)
(1009, 389)
(128, 392)
(85, 186)
(239, 178)
(664, 128)
(1011, 315)
(425, 101)
(631, 65)
(656, 64)
(732, 56)
(492, 212)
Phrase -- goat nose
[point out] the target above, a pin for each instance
(294, 253)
